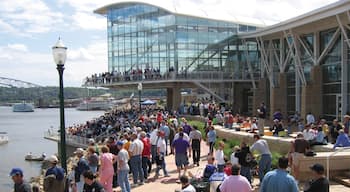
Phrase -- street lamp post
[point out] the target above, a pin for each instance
(139, 87)
(59, 52)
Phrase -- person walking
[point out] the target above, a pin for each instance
(160, 161)
(195, 140)
(244, 157)
(164, 127)
(106, 170)
(262, 147)
(20, 185)
(146, 153)
(54, 180)
(180, 147)
(92, 158)
(211, 138)
(220, 157)
(262, 117)
(135, 150)
(319, 183)
(235, 182)
(79, 169)
(279, 180)
(123, 168)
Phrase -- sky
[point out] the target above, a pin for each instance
(29, 29)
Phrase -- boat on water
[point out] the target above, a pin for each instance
(23, 107)
(31, 157)
(94, 105)
(3, 138)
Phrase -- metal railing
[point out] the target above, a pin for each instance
(200, 75)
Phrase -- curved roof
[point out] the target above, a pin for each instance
(170, 7)
(302, 20)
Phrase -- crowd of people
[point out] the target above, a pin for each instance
(136, 141)
(118, 76)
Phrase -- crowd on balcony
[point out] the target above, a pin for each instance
(117, 76)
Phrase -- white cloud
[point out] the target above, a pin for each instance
(39, 68)
(18, 47)
(88, 21)
(28, 16)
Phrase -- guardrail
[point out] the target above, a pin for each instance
(203, 75)
(73, 139)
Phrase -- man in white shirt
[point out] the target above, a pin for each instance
(195, 141)
(185, 137)
(153, 138)
(160, 161)
(310, 118)
(135, 149)
(262, 147)
(185, 184)
(219, 156)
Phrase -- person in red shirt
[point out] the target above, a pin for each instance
(227, 169)
(146, 154)
(159, 118)
(230, 120)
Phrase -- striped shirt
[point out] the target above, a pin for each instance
(136, 147)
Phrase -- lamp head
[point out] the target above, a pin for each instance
(59, 52)
(139, 87)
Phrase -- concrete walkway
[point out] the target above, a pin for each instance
(168, 184)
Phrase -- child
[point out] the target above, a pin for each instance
(227, 169)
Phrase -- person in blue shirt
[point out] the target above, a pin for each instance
(342, 140)
(54, 176)
(279, 180)
(211, 138)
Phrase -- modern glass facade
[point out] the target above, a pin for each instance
(146, 37)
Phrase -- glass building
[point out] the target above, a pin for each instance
(146, 37)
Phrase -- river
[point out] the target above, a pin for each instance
(26, 134)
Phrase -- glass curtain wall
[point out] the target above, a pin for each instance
(144, 37)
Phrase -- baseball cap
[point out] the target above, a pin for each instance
(318, 168)
(52, 159)
(91, 141)
(16, 171)
(79, 151)
(120, 143)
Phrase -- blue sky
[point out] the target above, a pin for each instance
(29, 28)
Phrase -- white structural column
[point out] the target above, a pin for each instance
(299, 72)
(264, 61)
(250, 68)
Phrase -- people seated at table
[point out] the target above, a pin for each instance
(342, 140)
(308, 133)
(277, 127)
(320, 138)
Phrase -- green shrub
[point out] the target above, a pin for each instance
(200, 126)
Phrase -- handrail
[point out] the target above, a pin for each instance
(332, 154)
(200, 75)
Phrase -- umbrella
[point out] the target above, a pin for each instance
(148, 102)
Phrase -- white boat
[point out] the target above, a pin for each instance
(23, 107)
(90, 105)
(3, 138)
